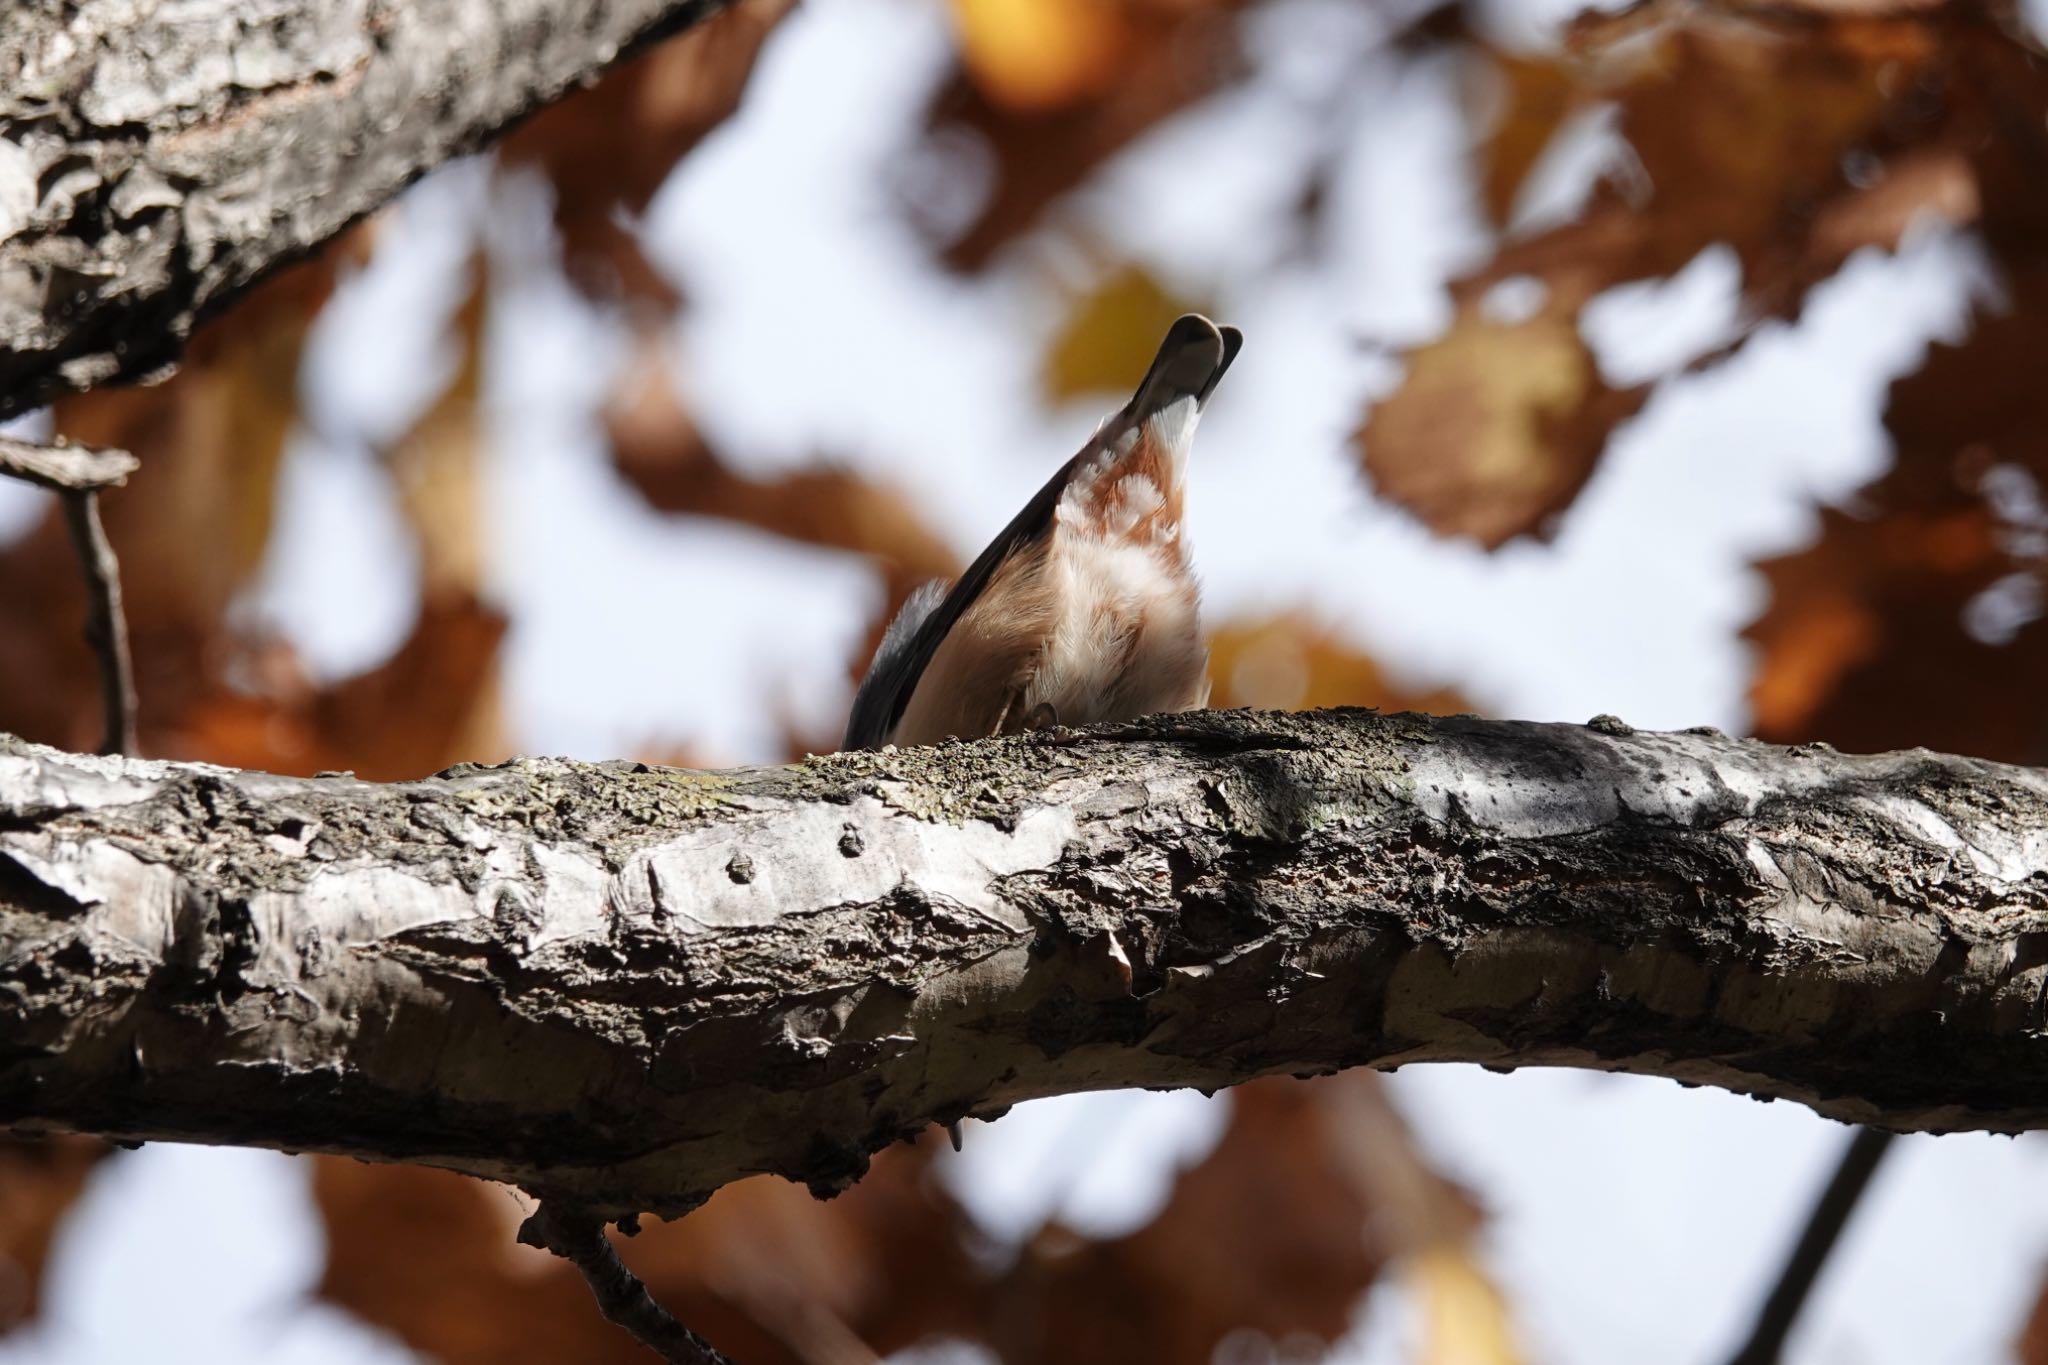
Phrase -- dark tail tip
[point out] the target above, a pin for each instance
(1191, 360)
(1233, 342)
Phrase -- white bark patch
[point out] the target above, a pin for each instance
(574, 899)
(134, 898)
(47, 777)
(17, 188)
(357, 906)
(770, 867)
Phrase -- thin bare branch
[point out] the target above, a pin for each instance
(106, 626)
(579, 1238)
(77, 473)
(66, 467)
(1831, 1212)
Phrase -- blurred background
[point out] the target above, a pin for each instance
(1688, 363)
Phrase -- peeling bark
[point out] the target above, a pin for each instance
(157, 159)
(625, 986)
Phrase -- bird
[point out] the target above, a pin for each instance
(1085, 608)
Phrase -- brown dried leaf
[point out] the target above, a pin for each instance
(763, 1270)
(1796, 137)
(1290, 663)
(40, 1178)
(1885, 633)
(1535, 95)
(1741, 129)
(607, 149)
(433, 703)
(1496, 428)
(191, 526)
(1167, 55)
(435, 463)
(1313, 1189)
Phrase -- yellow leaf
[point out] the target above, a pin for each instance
(1110, 336)
(1033, 55)
(1465, 1321)
(434, 464)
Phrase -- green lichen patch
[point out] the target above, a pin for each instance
(597, 802)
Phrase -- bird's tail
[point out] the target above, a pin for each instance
(1191, 360)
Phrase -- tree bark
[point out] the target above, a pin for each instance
(624, 986)
(157, 159)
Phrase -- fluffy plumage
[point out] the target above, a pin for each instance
(1085, 606)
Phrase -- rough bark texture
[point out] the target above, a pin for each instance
(626, 986)
(157, 158)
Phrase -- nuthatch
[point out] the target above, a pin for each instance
(1084, 608)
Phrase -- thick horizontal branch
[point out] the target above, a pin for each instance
(156, 160)
(625, 986)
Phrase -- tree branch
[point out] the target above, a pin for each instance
(65, 466)
(621, 1297)
(106, 627)
(156, 161)
(1780, 1313)
(621, 987)
(77, 473)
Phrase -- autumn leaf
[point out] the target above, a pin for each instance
(1109, 335)
(1915, 618)
(1496, 427)
(1314, 1189)
(763, 1270)
(433, 703)
(191, 527)
(1794, 138)
(1290, 663)
(1032, 55)
(40, 1179)
(1534, 96)
(606, 150)
(1045, 120)
(434, 464)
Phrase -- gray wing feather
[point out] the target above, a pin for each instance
(876, 707)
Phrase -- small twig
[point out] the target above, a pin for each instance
(580, 1240)
(106, 629)
(76, 474)
(1823, 1227)
(64, 467)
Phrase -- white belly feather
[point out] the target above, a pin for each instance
(1127, 640)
